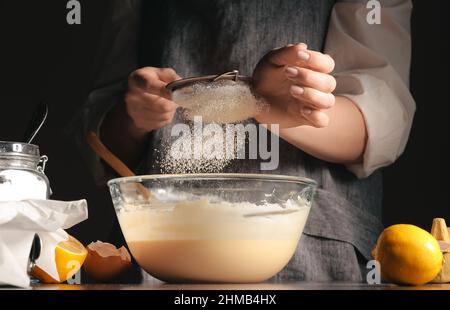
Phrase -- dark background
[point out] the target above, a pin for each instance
(43, 58)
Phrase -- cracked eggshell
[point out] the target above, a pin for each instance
(105, 262)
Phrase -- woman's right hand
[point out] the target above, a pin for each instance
(148, 102)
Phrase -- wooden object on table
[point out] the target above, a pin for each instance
(113, 161)
(440, 231)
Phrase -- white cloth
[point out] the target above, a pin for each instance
(19, 221)
(372, 70)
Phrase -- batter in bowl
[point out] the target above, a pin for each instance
(213, 241)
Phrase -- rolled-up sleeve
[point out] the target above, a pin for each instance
(372, 70)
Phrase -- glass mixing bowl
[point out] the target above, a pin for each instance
(221, 228)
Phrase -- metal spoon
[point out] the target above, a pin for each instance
(35, 252)
(36, 122)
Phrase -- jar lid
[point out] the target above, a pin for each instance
(230, 76)
(19, 149)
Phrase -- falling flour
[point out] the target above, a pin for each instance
(217, 103)
(183, 156)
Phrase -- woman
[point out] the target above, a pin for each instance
(338, 136)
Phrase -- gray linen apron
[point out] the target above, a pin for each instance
(204, 37)
(200, 37)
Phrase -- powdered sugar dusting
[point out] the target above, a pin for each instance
(221, 102)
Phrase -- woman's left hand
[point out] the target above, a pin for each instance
(297, 84)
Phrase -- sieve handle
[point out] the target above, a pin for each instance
(234, 73)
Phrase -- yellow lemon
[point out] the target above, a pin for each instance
(408, 255)
(69, 257)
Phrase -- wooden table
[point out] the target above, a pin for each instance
(239, 287)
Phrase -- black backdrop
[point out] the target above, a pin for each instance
(41, 57)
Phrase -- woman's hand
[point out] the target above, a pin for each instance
(297, 85)
(148, 103)
(148, 106)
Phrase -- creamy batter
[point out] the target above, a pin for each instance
(213, 241)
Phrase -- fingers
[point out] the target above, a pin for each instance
(148, 81)
(287, 55)
(306, 85)
(315, 61)
(309, 78)
(313, 93)
(313, 97)
(151, 112)
(302, 115)
(150, 102)
(299, 55)
(153, 80)
(167, 75)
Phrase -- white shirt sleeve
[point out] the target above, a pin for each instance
(372, 70)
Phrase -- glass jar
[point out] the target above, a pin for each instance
(22, 172)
